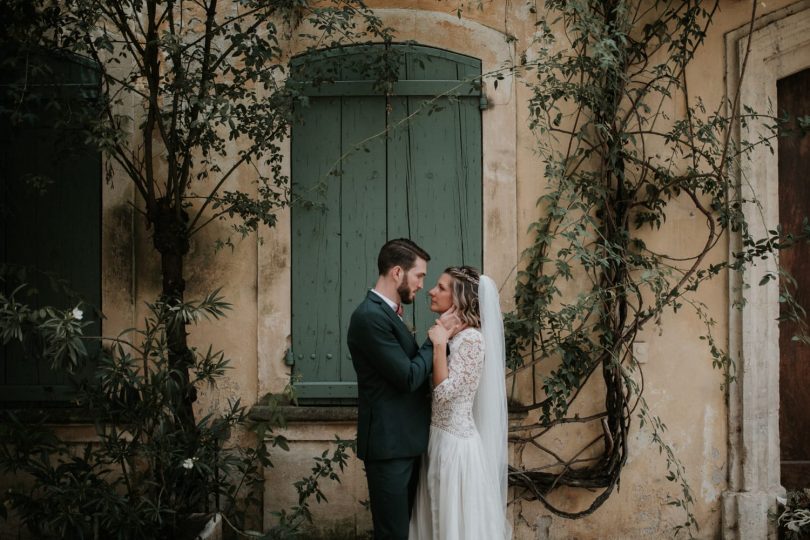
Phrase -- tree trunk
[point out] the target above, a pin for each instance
(171, 241)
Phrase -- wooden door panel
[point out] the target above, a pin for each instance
(794, 365)
(444, 196)
(416, 176)
(316, 240)
(362, 208)
(53, 232)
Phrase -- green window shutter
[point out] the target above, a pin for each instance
(355, 186)
(54, 234)
(316, 243)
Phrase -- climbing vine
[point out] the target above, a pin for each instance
(604, 77)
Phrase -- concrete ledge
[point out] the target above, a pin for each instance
(52, 415)
(312, 414)
(304, 414)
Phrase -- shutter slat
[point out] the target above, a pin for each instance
(316, 249)
(362, 225)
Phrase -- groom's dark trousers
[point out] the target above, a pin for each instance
(393, 411)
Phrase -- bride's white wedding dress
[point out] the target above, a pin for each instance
(458, 494)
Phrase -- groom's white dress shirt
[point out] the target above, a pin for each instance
(393, 305)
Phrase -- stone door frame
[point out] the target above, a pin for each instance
(780, 46)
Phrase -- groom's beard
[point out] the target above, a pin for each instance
(406, 295)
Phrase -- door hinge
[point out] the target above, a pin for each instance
(289, 358)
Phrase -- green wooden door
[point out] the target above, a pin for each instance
(366, 168)
(50, 214)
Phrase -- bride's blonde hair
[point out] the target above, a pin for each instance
(465, 294)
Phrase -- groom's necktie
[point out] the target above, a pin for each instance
(399, 310)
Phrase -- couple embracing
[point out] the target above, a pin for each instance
(432, 424)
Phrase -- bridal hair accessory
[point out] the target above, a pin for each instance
(489, 408)
(466, 281)
(465, 273)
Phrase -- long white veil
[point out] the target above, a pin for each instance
(489, 408)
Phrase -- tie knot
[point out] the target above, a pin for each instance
(399, 310)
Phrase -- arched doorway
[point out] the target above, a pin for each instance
(370, 162)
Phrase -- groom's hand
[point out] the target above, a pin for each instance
(438, 334)
(450, 321)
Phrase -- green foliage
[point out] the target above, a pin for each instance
(201, 82)
(676, 472)
(145, 474)
(191, 106)
(794, 520)
(617, 166)
(56, 334)
(326, 467)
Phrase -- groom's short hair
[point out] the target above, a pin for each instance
(399, 252)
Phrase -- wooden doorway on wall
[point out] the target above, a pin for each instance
(794, 362)
(50, 212)
(369, 165)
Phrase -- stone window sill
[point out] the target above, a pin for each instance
(304, 414)
(323, 414)
(49, 415)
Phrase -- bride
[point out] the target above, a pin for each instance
(462, 484)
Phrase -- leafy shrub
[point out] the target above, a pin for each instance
(795, 518)
(147, 472)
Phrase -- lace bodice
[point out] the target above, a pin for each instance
(453, 397)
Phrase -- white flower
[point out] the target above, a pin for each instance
(77, 314)
(188, 463)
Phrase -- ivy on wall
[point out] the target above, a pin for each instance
(604, 77)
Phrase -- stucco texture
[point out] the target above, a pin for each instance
(681, 387)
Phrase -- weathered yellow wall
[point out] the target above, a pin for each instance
(680, 384)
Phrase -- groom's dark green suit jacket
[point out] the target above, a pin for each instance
(392, 383)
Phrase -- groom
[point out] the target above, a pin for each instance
(392, 386)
